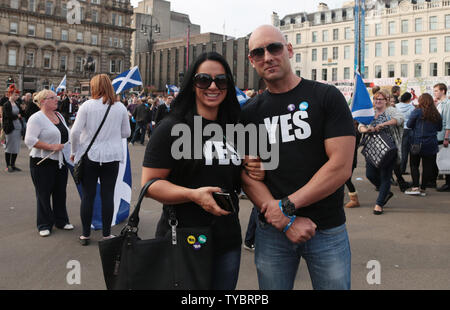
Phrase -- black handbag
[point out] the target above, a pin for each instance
(379, 149)
(181, 260)
(78, 167)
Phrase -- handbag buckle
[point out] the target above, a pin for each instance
(174, 223)
(130, 229)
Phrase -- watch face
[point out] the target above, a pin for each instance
(288, 207)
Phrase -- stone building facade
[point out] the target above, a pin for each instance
(39, 45)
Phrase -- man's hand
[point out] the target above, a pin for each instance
(301, 230)
(445, 143)
(273, 214)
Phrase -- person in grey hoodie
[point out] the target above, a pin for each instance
(405, 107)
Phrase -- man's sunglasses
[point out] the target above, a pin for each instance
(203, 81)
(274, 49)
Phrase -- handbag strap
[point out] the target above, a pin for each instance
(98, 130)
(133, 221)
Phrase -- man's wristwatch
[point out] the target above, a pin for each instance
(287, 207)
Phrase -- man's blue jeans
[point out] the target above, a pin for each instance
(327, 256)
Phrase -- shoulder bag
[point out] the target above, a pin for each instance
(78, 168)
(181, 260)
(379, 149)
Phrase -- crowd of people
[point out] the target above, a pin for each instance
(298, 206)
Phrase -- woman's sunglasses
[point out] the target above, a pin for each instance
(274, 49)
(203, 81)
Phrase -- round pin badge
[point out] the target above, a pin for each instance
(291, 107)
(303, 106)
(197, 246)
(202, 239)
(191, 239)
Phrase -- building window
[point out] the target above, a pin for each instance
(119, 20)
(32, 5)
(447, 69)
(325, 53)
(348, 33)
(417, 70)
(335, 34)
(324, 74)
(116, 65)
(298, 57)
(378, 72)
(12, 57)
(80, 37)
(366, 51)
(433, 45)
(29, 62)
(94, 39)
(433, 23)
(377, 49)
(95, 1)
(447, 21)
(418, 46)
(31, 30)
(447, 44)
(63, 63)
(433, 69)
(94, 16)
(418, 25)
(298, 73)
(366, 72)
(314, 54)
(298, 38)
(325, 36)
(404, 26)
(48, 33)
(335, 52)
(14, 4)
(64, 35)
(116, 42)
(63, 10)
(47, 60)
(347, 52)
(346, 73)
(78, 63)
(391, 27)
(48, 8)
(378, 30)
(391, 48)
(404, 70)
(314, 36)
(391, 70)
(334, 74)
(404, 44)
(113, 18)
(314, 74)
(13, 28)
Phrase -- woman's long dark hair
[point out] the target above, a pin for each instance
(429, 111)
(184, 105)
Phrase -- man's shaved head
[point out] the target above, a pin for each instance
(265, 31)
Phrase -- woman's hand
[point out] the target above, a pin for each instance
(379, 127)
(56, 147)
(72, 158)
(203, 197)
(254, 169)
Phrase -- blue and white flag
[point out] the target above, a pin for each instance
(241, 96)
(362, 107)
(52, 88)
(62, 85)
(172, 89)
(126, 80)
(122, 191)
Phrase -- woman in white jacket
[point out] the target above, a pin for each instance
(47, 135)
(104, 155)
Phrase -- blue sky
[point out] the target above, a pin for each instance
(241, 16)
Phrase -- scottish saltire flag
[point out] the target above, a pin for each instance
(172, 89)
(122, 191)
(62, 85)
(126, 80)
(362, 107)
(241, 96)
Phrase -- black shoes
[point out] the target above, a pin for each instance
(84, 240)
(376, 212)
(444, 188)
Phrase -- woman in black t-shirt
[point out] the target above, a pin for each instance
(203, 165)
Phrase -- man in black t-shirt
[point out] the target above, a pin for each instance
(301, 200)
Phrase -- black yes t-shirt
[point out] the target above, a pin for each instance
(307, 115)
(219, 166)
